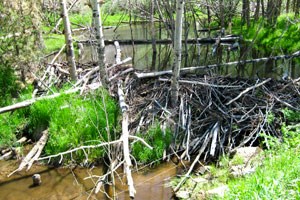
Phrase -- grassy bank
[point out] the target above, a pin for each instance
(282, 38)
(72, 121)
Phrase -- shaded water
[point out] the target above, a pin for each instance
(193, 55)
(63, 184)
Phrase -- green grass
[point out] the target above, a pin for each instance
(11, 126)
(53, 42)
(282, 38)
(278, 177)
(74, 121)
(156, 138)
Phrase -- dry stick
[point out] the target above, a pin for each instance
(202, 83)
(204, 145)
(81, 148)
(192, 69)
(121, 73)
(48, 70)
(86, 76)
(215, 132)
(33, 154)
(247, 90)
(118, 52)
(125, 134)
(31, 101)
(121, 63)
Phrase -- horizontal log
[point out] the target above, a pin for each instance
(193, 69)
(164, 41)
(31, 101)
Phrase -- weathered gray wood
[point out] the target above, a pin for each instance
(166, 41)
(100, 40)
(31, 101)
(125, 137)
(69, 42)
(34, 154)
(177, 51)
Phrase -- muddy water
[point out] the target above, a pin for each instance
(60, 184)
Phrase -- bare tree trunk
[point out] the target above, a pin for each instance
(257, 10)
(273, 11)
(287, 6)
(262, 8)
(177, 50)
(100, 40)
(69, 42)
(246, 12)
(221, 7)
(154, 51)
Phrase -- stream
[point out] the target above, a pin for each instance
(65, 183)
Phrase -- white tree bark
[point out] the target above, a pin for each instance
(100, 40)
(177, 51)
(68, 38)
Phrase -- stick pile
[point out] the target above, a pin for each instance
(214, 114)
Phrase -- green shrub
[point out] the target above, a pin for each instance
(8, 85)
(155, 137)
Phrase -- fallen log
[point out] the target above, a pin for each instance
(194, 69)
(164, 41)
(125, 138)
(32, 101)
(34, 154)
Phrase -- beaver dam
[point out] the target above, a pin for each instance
(214, 116)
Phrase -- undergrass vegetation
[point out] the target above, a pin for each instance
(11, 126)
(74, 121)
(282, 38)
(156, 138)
(278, 177)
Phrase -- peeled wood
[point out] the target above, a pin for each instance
(31, 101)
(118, 52)
(125, 137)
(34, 154)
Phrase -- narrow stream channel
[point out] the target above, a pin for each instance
(65, 184)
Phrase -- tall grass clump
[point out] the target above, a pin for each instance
(74, 121)
(278, 177)
(158, 139)
(11, 127)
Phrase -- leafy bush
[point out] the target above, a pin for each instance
(8, 85)
(157, 139)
